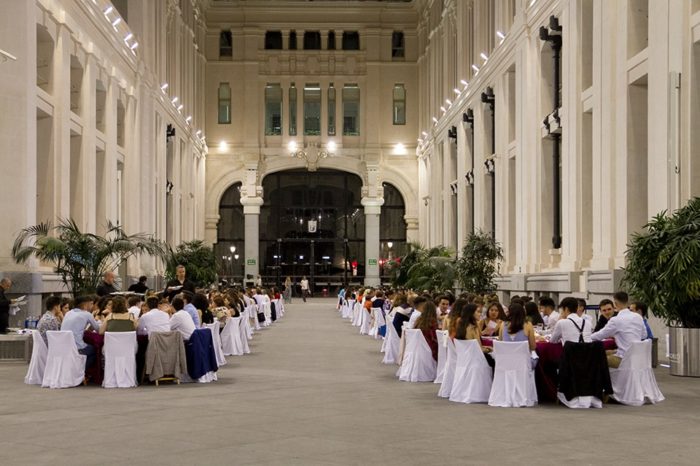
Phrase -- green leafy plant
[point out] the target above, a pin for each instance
(663, 266)
(477, 267)
(425, 269)
(81, 259)
(198, 259)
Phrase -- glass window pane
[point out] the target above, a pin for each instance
(292, 110)
(225, 44)
(397, 45)
(399, 111)
(351, 40)
(331, 110)
(292, 40)
(312, 109)
(224, 103)
(273, 40)
(351, 110)
(273, 110)
(312, 40)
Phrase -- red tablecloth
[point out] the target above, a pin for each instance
(95, 373)
(546, 371)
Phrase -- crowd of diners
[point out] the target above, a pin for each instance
(180, 306)
(476, 317)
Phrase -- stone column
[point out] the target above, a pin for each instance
(412, 234)
(373, 207)
(251, 210)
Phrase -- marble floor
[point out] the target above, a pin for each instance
(313, 392)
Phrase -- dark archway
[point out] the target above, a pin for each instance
(230, 237)
(392, 229)
(312, 224)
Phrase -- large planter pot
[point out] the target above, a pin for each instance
(684, 349)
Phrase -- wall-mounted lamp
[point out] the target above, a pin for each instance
(490, 165)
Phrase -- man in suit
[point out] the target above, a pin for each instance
(107, 285)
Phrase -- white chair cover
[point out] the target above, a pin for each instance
(254, 314)
(244, 336)
(580, 401)
(216, 338)
(65, 367)
(379, 321)
(357, 314)
(373, 323)
(35, 373)
(206, 378)
(442, 354)
(347, 309)
(391, 345)
(282, 310)
(267, 310)
(514, 380)
(245, 322)
(120, 360)
(231, 338)
(366, 322)
(450, 366)
(418, 364)
(473, 375)
(634, 382)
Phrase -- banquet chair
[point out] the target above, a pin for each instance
(201, 357)
(244, 336)
(120, 360)
(442, 354)
(514, 378)
(357, 314)
(391, 346)
(231, 338)
(472, 376)
(450, 366)
(418, 364)
(166, 359)
(347, 310)
(216, 338)
(366, 322)
(584, 378)
(245, 323)
(373, 323)
(280, 306)
(65, 367)
(35, 373)
(634, 382)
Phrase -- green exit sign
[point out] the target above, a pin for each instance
(251, 262)
(372, 262)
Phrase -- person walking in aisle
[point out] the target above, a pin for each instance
(304, 288)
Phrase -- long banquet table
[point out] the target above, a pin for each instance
(546, 372)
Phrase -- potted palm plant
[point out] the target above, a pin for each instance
(477, 266)
(663, 270)
(81, 259)
(198, 259)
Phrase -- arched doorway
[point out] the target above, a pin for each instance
(312, 224)
(392, 230)
(230, 237)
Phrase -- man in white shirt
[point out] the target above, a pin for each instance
(571, 326)
(581, 311)
(626, 327)
(549, 315)
(154, 320)
(304, 283)
(181, 320)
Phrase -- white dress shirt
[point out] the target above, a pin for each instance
(565, 330)
(551, 320)
(626, 327)
(183, 323)
(154, 320)
(135, 311)
(412, 320)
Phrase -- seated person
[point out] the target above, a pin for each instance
(76, 320)
(220, 310)
(517, 329)
(453, 318)
(443, 308)
(468, 329)
(626, 327)
(532, 314)
(51, 320)
(181, 321)
(581, 311)
(104, 308)
(607, 311)
(120, 319)
(155, 320)
(418, 305)
(642, 309)
(187, 297)
(549, 315)
(572, 326)
(134, 303)
(491, 324)
(201, 304)
(427, 323)
(401, 312)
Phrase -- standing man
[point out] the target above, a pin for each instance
(304, 287)
(5, 302)
(179, 284)
(107, 285)
(140, 287)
